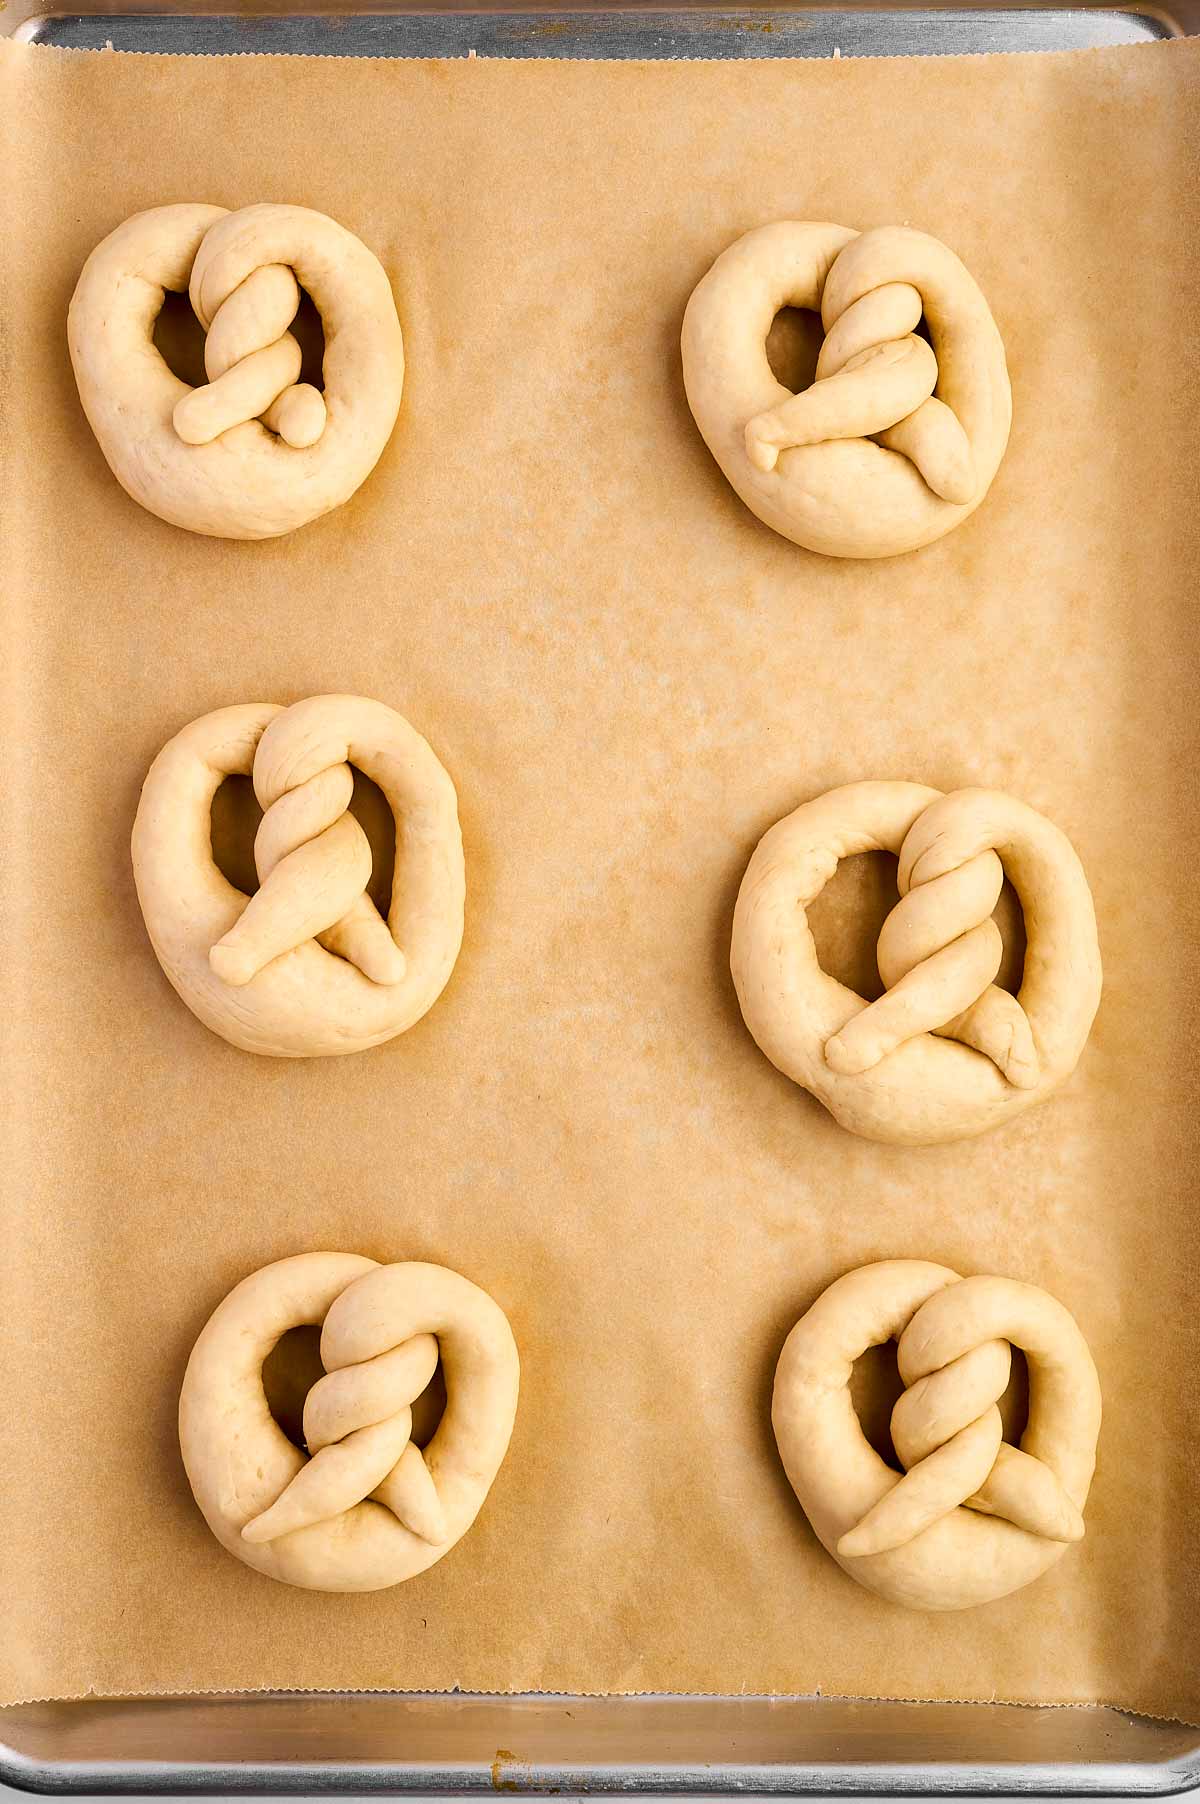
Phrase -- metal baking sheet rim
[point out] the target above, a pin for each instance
(725, 1760)
(544, 1726)
(602, 33)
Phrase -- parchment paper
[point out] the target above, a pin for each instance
(629, 679)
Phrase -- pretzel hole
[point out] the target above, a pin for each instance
(793, 345)
(179, 339)
(293, 1366)
(289, 1372)
(875, 1386)
(428, 1408)
(307, 329)
(846, 917)
(236, 815)
(1014, 1404)
(1010, 919)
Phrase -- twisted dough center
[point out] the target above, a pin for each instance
(358, 1430)
(314, 865)
(948, 1436)
(251, 358)
(939, 952)
(875, 379)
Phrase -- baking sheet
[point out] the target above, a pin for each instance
(629, 679)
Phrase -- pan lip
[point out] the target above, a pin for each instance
(615, 30)
(1178, 1771)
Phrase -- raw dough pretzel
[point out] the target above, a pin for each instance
(307, 965)
(876, 1066)
(254, 453)
(895, 443)
(368, 1508)
(973, 1518)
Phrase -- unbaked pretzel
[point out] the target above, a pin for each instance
(898, 438)
(306, 965)
(253, 453)
(876, 1066)
(972, 1518)
(365, 1507)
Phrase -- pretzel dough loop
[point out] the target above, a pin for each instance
(899, 437)
(365, 1507)
(971, 1518)
(944, 1052)
(253, 452)
(306, 965)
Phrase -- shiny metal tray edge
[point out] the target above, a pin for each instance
(615, 32)
(458, 1744)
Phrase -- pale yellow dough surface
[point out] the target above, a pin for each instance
(254, 453)
(944, 1053)
(366, 1507)
(971, 1518)
(894, 443)
(306, 965)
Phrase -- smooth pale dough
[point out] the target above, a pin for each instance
(894, 443)
(365, 1507)
(972, 1518)
(307, 965)
(255, 453)
(944, 1053)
